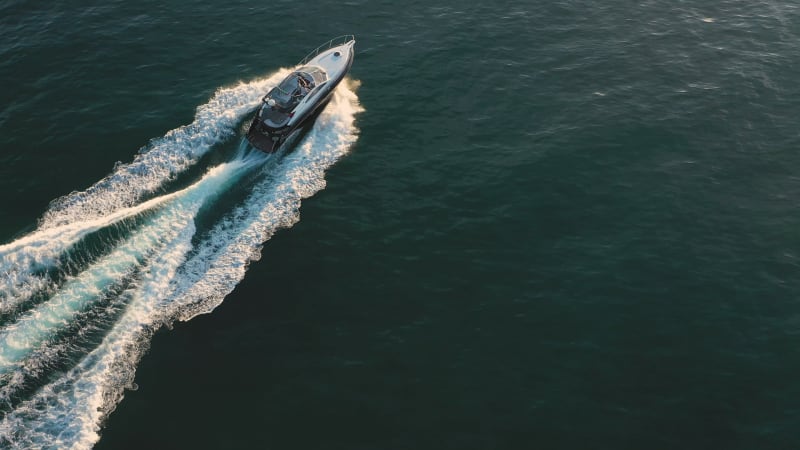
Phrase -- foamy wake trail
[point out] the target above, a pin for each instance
(42, 248)
(220, 262)
(117, 196)
(163, 158)
(177, 281)
(29, 332)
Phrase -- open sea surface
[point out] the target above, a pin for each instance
(519, 225)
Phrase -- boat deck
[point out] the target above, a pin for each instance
(262, 142)
(273, 117)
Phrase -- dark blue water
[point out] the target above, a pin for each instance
(523, 225)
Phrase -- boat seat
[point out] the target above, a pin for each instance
(275, 118)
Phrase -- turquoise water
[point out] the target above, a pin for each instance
(518, 225)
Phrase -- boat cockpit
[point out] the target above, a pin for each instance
(279, 103)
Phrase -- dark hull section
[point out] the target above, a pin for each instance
(270, 141)
(261, 141)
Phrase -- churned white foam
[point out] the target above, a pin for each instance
(67, 412)
(115, 197)
(220, 261)
(29, 332)
(163, 158)
(41, 249)
(178, 281)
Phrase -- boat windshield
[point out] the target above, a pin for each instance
(283, 98)
(315, 73)
(294, 87)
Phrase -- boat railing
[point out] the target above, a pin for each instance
(335, 42)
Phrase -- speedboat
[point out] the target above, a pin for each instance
(297, 100)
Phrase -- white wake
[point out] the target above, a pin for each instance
(176, 273)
